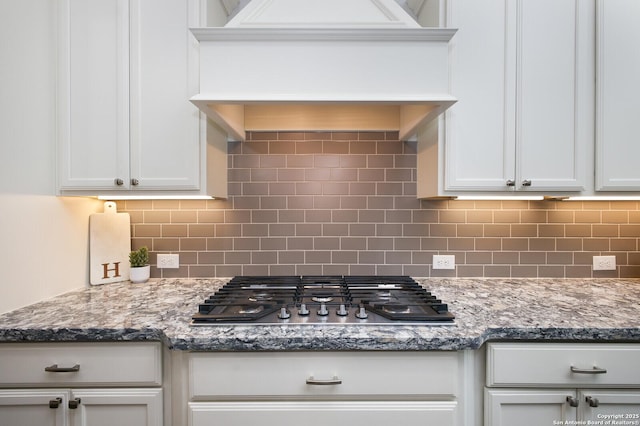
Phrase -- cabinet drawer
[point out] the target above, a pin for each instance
(560, 364)
(322, 413)
(303, 374)
(104, 364)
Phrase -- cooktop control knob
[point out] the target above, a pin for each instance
(342, 311)
(284, 314)
(362, 313)
(303, 310)
(323, 312)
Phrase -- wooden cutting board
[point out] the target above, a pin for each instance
(109, 245)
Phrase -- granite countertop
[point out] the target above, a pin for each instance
(593, 310)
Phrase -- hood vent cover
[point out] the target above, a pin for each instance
(323, 65)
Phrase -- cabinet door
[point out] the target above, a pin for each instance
(479, 129)
(30, 407)
(378, 413)
(93, 94)
(121, 407)
(523, 73)
(618, 103)
(554, 99)
(527, 407)
(620, 405)
(165, 126)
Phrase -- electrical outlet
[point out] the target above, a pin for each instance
(168, 261)
(444, 261)
(604, 263)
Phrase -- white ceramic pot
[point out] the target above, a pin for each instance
(140, 274)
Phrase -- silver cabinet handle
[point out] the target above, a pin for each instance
(593, 402)
(526, 182)
(135, 182)
(118, 181)
(573, 402)
(594, 370)
(55, 369)
(333, 381)
(511, 182)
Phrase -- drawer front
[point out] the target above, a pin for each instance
(321, 413)
(560, 364)
(104, 364)
(308, 374)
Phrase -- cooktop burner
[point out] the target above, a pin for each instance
(362, 300)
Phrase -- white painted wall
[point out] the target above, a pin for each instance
(43, 238)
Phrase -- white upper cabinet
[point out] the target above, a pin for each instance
(165, 128)
(93, 94)
(618, 96)
(522, 71)
(554, 94)
(127, 71)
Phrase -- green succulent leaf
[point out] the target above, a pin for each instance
(139, 257)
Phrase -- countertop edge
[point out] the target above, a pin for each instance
(233, 343)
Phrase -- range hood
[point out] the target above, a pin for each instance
(323, 65)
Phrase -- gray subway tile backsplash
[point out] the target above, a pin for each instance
(344, 203)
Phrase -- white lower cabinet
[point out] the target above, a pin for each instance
(44, 407)
(533, 384)
(605, 404)
(81, 407)
(81, 384)
(528, 407)
(548, 407)
(320, 388)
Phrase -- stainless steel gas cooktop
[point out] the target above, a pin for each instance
(358, 300)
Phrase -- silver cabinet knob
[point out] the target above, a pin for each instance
(593, 402)
(573, 402)
(135, 182)
(526, 182)
(511, 182)
(118, 181)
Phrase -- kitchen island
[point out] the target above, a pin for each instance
(585, 310)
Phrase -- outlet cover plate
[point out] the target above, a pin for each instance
(168, 261)
(604, 263)
(444, 261)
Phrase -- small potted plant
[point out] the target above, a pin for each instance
(140, 269)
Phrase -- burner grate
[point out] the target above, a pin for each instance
(323, 300)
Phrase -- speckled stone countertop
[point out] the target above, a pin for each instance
(592, 310)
